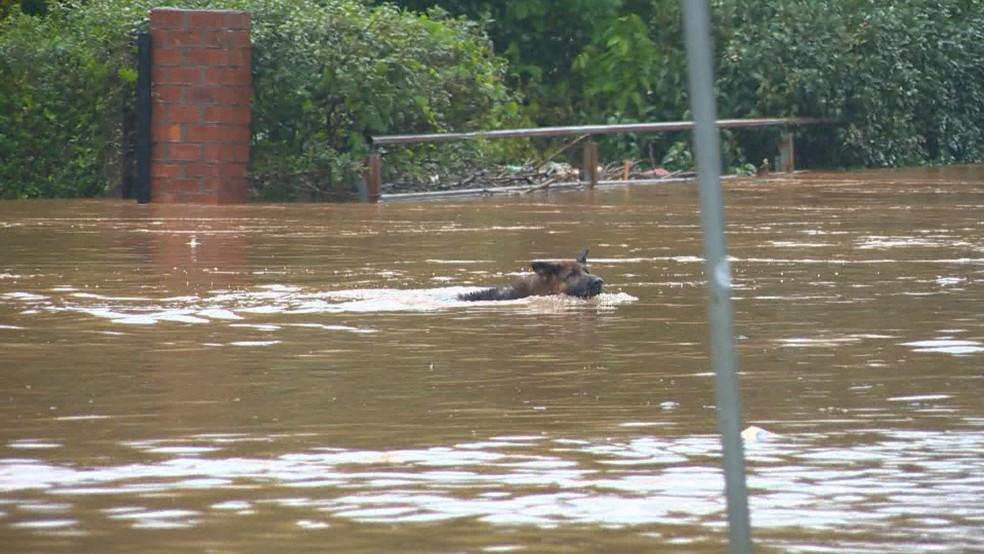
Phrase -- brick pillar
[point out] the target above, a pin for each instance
(201, 105)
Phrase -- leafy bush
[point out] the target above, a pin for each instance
(904, 81)
(326, 79)
(327, 75)
(56, 88)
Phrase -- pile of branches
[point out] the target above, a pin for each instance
(530, 176)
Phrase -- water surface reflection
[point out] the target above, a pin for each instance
(302, 377)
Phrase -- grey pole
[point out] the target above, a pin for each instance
(707, 147)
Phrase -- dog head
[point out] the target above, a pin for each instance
(571, 278)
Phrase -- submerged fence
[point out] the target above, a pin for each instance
(785, 162)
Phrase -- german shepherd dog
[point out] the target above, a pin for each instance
(571, 278)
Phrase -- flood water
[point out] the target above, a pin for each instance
(273, 378)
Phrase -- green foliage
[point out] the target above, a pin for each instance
(679, 157)
(30, 7)
(327, 79)
(327, 76)
(904, 81)
(540, 39)
(58, 82)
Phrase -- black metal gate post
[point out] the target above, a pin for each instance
(142, 188)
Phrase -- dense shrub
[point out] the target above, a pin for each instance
(904, 80)
(327, 79)
(327, 74)
(60, 107)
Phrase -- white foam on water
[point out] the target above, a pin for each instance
(946, 345)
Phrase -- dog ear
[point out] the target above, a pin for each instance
(546, 269)
(583, 258)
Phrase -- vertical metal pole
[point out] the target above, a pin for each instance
(144, 121)
(707, 146)
(787, 158)
(374, 175)
(590, 162)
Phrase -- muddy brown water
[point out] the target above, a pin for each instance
(301, 378)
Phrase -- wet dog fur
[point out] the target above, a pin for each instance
(570, 277)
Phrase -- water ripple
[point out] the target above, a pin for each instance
(796, 480)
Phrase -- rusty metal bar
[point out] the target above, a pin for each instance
(590, 130)
(589, 169)
(786, 162)
(374, 176)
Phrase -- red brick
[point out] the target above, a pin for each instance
(206, 19)
(226, 96)
(239, 20)
(203, 56)
(236, 57)
(169, 94)
(226, 39)
(184, 152)
(217, 114)
(182, 76)
(205, 94)
(203, 198)
(219, 57)
(165, 133)
(163, 197)
(212, 184)
(235, 96)
(181, 38)
(167, 170)
(221, 186)
(232, 134)
(162, 18)
(237, 133)
(241, 115)
(222, 153)
(205, 133)
(166, 57)
(227, 114)
(226, 76)
(206, 170)
(182, 114)
(242, 153)
(234, 170)
(184, 185)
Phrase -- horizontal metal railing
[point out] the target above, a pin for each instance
(785, 160)
(661, 127)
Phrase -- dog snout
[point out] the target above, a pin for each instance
(595, 284)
